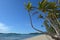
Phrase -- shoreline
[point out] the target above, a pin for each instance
(40, 37)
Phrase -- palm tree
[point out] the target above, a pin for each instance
(58, 1)
(29, 8)
(53, 19)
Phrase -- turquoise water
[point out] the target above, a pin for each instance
(16, 36)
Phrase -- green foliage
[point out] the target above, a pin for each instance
(51, 5)
(40, 16)
(42, 4)
(53, 13)
(28, 6)
(49, 28)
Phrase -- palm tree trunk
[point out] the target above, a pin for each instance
(56, 38)
(55, 28)
(32, 23)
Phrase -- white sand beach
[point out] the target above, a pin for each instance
(40, 37)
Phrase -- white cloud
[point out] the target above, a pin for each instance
(4, 28)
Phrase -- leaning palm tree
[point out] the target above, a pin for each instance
(51, 8)
(52, 18)
(29, 8)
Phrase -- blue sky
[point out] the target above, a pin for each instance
(14, 17)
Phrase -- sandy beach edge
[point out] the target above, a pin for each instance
(40, 37)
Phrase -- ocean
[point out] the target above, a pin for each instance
(13, 36)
